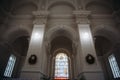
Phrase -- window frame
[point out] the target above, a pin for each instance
(10, 66)
(66, 58)
(114, 66)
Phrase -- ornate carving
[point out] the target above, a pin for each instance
(40, 17)
(82, 16)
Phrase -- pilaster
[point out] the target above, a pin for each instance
(89, 71)
(37, 48)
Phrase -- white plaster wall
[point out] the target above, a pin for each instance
(87, 47)
(32, 75)
(35, 47)
(94, 76)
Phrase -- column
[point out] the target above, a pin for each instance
(91, 69)
(36, 47)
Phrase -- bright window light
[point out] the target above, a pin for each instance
(10, 66)
(61, 66)
(114, 66)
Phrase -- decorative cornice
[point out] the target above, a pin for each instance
(40, 17)
(40, 13)
(82, 13)
(22, 17)
(63, 16)
(82, 16)
(101, 16)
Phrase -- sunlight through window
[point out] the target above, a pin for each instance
(114, 66)
(61, 66)
(10, 66)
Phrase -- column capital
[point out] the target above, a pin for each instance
(82, 16)
(40, 17)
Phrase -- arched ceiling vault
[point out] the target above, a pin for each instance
(61, 42)
(99, 7)
(54, 3)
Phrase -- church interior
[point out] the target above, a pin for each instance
(59, 39)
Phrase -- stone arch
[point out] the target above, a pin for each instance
(108, 32)
(20, 45)
(61, 42)
(102, 45)
(14, 33)
(53, 3)
(61, 50)
(54, 32)
(65, 51)
(105, 37)
(18, 40)
(24, 8)
(99, 7)
(60, 31)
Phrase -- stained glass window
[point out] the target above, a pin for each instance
(114, 66)
(10, 66)
(61, 66)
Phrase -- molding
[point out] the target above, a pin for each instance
(57, 27)
(52, 2)
(22, 17)
(40, 17)
(82, 13)
(63, 16)
(101, 16)
(40, 13)
(82, 16)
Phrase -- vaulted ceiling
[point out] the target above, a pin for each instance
(116, 4)
(7, 3)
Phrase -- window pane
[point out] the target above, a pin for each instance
(114, 66)
(61, 66)
(10, 66)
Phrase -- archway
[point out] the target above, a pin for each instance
(61, 43)
(104, 44)
(64, 72)
(18, 40)
(107, 53)
(103, 47)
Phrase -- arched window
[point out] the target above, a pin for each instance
(10, 66)
(114, 66)
(61, 66)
